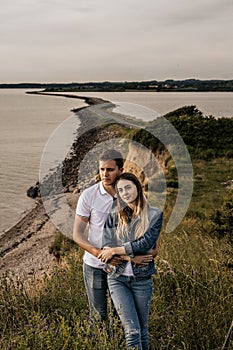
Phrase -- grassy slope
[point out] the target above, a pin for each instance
(192, 300)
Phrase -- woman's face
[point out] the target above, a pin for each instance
(127, 191)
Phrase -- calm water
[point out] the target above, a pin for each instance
(27, 121)
(218, 104)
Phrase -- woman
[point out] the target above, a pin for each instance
(131, 230)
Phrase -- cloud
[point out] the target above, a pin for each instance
(113, 37)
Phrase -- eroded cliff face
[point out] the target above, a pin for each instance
(144, 163)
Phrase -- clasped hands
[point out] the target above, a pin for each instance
(108, 254)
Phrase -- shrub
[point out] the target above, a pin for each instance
(61, 245)
(223, 218)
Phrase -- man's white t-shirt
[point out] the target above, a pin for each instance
(94, 203)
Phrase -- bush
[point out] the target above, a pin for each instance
(223, 218)
(61, 246)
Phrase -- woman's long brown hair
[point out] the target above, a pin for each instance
(126, 214)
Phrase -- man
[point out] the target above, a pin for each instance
(93, 207)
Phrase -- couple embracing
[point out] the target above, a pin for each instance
(123, 240)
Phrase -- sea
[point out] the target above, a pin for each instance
(28, 121)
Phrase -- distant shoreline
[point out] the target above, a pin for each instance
(185, 85)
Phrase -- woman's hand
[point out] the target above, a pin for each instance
(106, 254)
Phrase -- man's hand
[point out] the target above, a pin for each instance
(142, 260)
(117, 260)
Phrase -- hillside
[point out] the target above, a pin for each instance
(192, 300)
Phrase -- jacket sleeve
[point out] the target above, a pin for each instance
(147, 241)
(109, 238)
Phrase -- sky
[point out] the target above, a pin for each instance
(115, 40)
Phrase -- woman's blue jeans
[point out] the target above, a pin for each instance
(132, 297)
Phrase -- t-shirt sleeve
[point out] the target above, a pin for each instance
(83, 207)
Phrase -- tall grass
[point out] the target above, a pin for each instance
(192, 297)
(52, 315)
(191, 307)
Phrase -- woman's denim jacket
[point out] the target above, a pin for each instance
(134, 247)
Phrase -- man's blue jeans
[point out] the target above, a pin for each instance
(96, 287)
(132, 298)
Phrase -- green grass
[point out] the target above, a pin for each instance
(52, 315)
(192, 297)
(209, 181)
(192, 300)
(190, 307)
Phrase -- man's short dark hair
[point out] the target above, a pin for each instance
(112, 154)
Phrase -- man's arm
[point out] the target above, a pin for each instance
(80, 224)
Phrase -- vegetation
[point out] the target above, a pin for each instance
(190, 307)
(205, 136)
(223, 218)
(151, 85)
(192, 301)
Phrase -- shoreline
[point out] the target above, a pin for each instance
(24, 246)
(90, 101)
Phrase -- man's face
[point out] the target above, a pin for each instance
(109, 172)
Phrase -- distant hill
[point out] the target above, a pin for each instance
(152, 85)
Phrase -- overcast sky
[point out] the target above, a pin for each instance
(115, 40)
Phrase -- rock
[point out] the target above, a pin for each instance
(34, 191)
